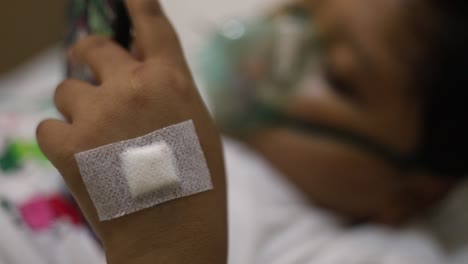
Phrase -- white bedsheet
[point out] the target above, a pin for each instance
(270, 223)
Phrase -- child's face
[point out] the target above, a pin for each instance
(369, 50)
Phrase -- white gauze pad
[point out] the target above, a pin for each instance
(131, 175)
(149, 168)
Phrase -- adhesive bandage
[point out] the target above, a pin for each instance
(135, 174)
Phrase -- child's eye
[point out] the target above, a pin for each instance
(337, 82)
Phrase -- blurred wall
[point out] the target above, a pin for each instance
(27, 27)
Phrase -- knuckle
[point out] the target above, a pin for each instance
(136, 95)
(169, 66)
(174, 80)
(139, 95)
(146, 81)
(178, 82)
(137, 77)
(41, 129)
(60, 90)
(179, 78)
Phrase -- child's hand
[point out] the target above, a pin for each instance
(134, 98)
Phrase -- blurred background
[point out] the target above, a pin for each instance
(27, 28)
(39, 221)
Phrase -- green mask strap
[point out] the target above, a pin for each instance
(262, 116)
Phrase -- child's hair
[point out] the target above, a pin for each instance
(443, 82)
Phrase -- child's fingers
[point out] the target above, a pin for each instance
(71, 96)
(102, 55)
(154, 32)
(53, 136)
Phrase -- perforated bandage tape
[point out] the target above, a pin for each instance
(135, 174)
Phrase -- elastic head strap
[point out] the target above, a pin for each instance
(263, 115)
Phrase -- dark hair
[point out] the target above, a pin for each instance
(444, 82)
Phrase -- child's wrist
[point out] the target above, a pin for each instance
(180, 231)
